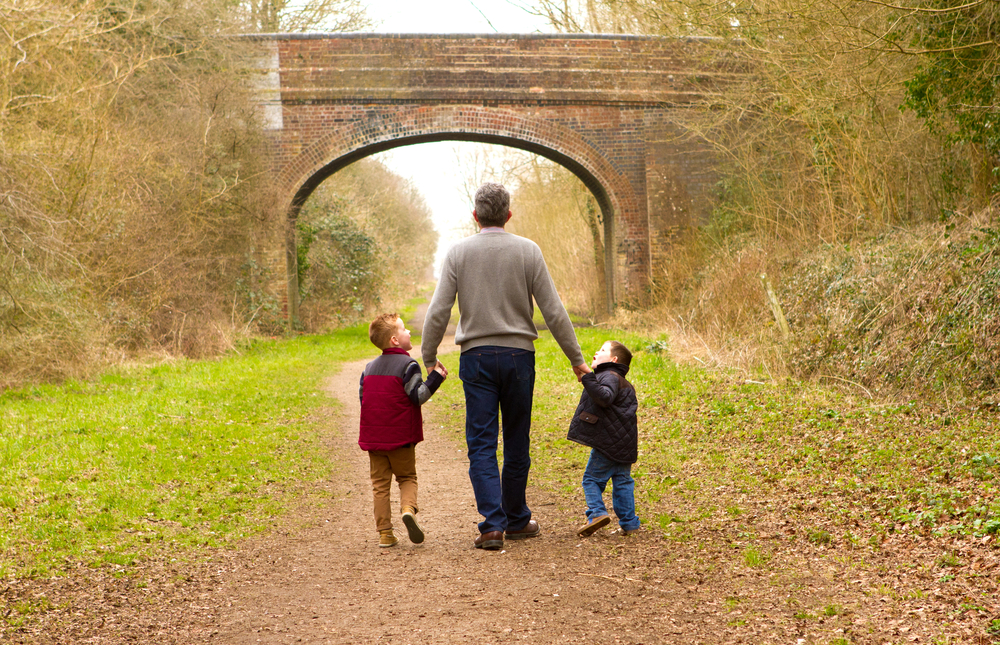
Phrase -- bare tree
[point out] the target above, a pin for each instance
(591, 16)
(311, 15)
(133, 202)
(486, 162)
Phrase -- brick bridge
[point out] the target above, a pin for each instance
(604, 107)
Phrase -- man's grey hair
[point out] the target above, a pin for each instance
(492, 204)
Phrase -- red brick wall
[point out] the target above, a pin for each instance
(601, 106)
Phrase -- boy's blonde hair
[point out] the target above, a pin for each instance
(382, 329)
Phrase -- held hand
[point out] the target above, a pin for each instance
(441, 369)
(580, 370)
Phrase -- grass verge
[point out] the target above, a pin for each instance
(714, 446)
(151, 460)
(752, 487)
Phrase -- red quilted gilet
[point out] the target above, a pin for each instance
(389, 420)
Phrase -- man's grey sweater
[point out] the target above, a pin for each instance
(495, 276)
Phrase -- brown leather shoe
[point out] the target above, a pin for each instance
(531, 529)
(593, 525)
(491, 540)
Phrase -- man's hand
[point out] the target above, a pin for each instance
(580, 370)
(441, 369)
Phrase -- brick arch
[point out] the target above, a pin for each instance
(383, 130)
(608, 107)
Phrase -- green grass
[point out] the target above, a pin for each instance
(753, 558)
(539, 320)
(409, 309)
(832, 610)
(163, 458)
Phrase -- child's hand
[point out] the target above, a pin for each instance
(441, 369)
(580, 370)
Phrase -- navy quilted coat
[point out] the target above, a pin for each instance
(605, 418)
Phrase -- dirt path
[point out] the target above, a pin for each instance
(332, 584)
(324, 579)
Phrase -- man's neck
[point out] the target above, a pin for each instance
(491, 229)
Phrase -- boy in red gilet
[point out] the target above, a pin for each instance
(391, 426)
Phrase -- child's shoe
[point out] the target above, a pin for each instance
(593, 525)
(386, 539)
(630, 531)
(413, 530)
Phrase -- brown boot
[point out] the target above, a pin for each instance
(413, 530)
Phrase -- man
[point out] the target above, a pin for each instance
(496, 276)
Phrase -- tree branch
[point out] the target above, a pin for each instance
(930, 11)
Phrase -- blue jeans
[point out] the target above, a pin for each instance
(498, 381)
(595, 478)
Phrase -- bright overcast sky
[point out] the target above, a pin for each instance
(454, 17)
(433, 167)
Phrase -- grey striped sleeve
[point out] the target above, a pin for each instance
(420, 391)
(414, 385)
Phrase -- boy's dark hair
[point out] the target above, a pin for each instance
(621, 352)
(382, 329)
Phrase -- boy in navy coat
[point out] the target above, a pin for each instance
(606, 421)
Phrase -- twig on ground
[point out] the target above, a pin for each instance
(594, 575)
(837, 378)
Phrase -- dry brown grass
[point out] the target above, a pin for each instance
(134, 210)
(557, 211)
(914, 309)
(911, 311)
(821, 164)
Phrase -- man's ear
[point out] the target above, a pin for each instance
(475, 217)
(509, 215)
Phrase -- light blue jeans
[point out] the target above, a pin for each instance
(599, 470)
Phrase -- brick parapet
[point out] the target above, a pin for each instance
(504, 70)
